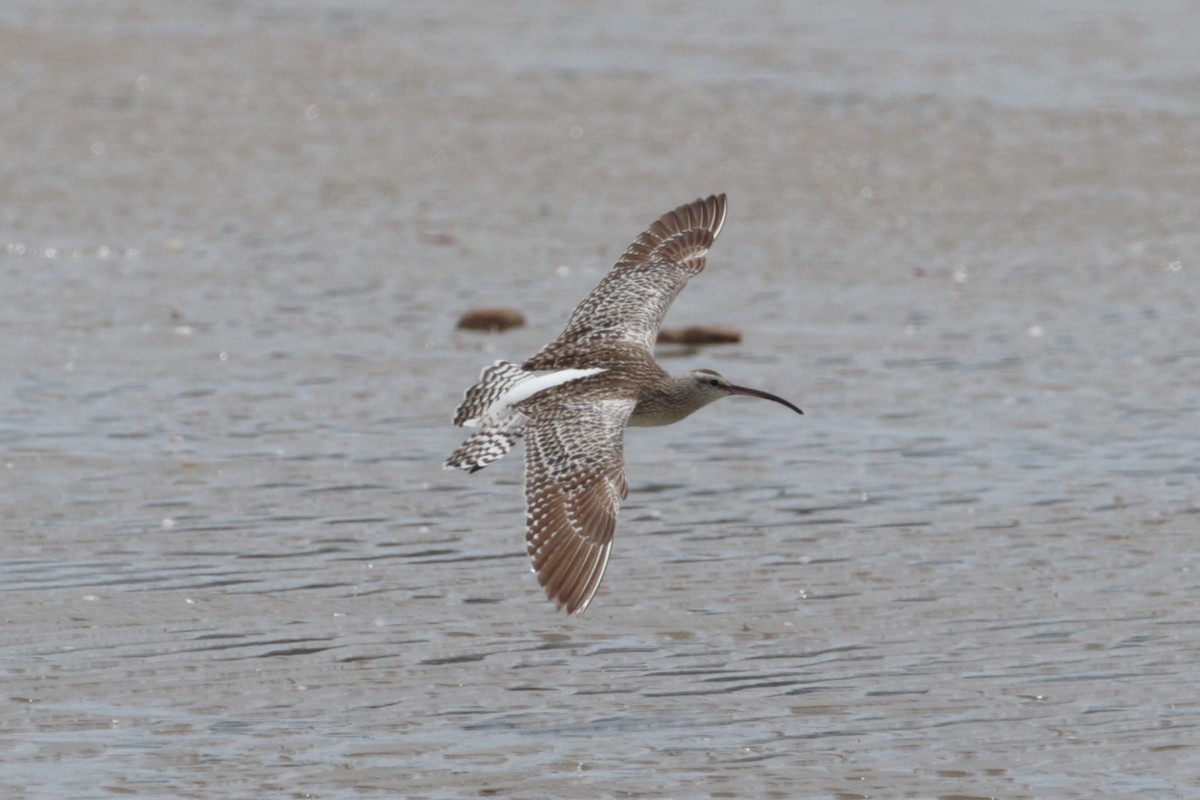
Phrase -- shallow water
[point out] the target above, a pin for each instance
(235, 241)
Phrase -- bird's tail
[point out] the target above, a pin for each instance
(500, 426)
(485, 446)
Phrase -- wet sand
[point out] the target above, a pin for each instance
(234, 243)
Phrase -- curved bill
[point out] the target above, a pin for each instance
(764, 395)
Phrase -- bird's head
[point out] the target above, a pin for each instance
(711, 385)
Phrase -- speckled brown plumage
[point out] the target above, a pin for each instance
(630, 302)
(573, 399)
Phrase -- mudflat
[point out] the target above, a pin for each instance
(234, 243)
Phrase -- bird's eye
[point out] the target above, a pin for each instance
(713, 382)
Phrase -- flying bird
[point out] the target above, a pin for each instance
(572, 401)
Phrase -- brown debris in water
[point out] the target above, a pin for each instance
(700, 334)
(441, 239)
(491, 319)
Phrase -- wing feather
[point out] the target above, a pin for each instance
(630, 302)
(574, 483)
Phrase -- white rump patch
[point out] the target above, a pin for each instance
(538, 382)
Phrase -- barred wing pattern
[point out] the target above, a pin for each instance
(631, 301)
(574, 484)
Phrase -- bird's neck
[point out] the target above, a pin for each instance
(664, 402)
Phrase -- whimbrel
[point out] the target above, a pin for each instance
(572, 401)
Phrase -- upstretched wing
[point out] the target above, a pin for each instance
(631, 301)
(574, 484)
